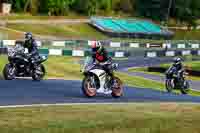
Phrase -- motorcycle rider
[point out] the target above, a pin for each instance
(100, 56)
(178, 67)
(31, 44)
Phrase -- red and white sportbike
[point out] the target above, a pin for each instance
(96, 80)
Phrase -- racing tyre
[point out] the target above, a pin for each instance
(88, 88)
(9, 72)
(169, 85)
(38, 73)
(117, 89)
(186, 88)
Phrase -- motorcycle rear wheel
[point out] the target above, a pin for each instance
(117, 89)
(186, 88)
(36, 76)
(169, 85)
(7, 72)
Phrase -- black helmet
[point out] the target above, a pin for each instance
(28, 36)
(177, 61)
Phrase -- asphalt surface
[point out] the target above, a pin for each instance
(26, 92)
(142, 62)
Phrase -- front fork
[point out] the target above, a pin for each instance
(93, 84)
(12, 70)
(109, 81)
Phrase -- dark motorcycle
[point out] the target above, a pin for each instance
(175, 81)
(20, 66)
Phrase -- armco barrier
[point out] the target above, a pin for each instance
(134, 44)
(163, 70)
(170, 53)
(78, 53)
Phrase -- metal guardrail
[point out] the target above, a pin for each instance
(167, 48)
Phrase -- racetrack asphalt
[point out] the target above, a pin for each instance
(28, 92)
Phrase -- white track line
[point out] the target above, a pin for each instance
(61, 104)
(93, 104)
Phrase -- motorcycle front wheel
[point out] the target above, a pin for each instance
(169, 85)
(88, 88)
(9, 72)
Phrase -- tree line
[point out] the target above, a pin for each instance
(183, 10)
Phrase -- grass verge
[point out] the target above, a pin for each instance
(61, 30)
(10, 34)
(194, 65)
(127, 118)
(187, 35)
(26, 16)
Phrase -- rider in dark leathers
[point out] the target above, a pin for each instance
(100, 55)
(177, 68)
(31, 44)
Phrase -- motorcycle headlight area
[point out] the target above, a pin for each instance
(115, 65)
(11, 52)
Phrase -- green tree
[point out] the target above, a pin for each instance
(105, 5)
(43, 6)
(116, 5)
(59, 7)
(18, 5)
(126, 6)
(88, 7)
(187, 11)
(32, 6)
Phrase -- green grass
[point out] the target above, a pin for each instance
(187, 35)
(72, 31)
(144, 70)
(63, 67)
(83, 30)
(24, 16)
(61, 30)
(70, 15)
(140, 82)
(193, 65)
(127, 118)
(10, 34)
